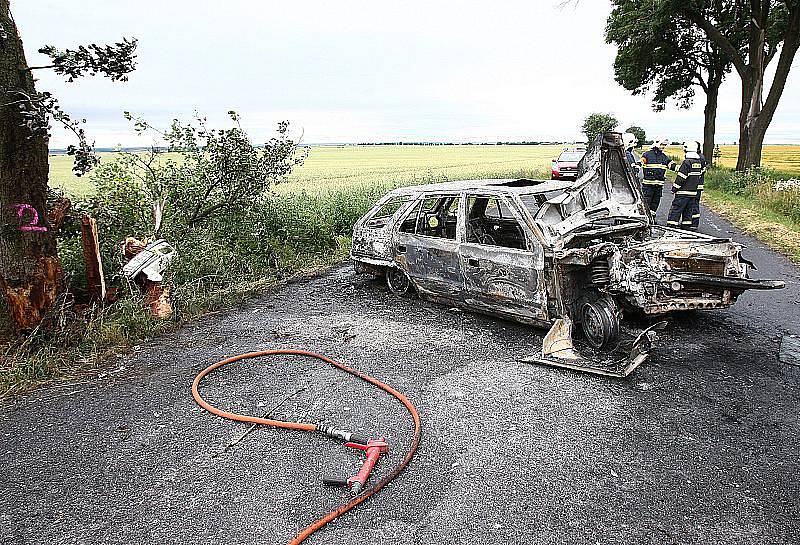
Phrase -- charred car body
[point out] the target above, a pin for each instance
(551, 253)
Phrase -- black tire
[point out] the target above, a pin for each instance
(398, 281)
(600, 323)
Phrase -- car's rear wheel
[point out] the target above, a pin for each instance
(600, 323)
(398, 281)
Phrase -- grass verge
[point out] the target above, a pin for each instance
(755, 218)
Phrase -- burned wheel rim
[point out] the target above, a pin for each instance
(398, 281)
(600, 323)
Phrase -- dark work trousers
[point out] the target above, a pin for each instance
(681, 211)
(696, 214)
(652, 196)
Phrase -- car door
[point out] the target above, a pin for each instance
(502, 262)
(426, 246)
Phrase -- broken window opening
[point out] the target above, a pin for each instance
(438, 217)
(409, 224)
(381, 217)
(491, 223)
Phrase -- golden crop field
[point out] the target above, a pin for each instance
(784, 158)
(336, 167)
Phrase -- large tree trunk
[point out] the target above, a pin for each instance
(31, 277)
(757, 113)
(710, 123)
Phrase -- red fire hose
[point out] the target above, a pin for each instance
(305, 426)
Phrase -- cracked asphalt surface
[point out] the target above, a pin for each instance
(699, 445)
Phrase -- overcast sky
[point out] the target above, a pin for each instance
(347, 71)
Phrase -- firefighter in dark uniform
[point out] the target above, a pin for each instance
(655, 163)
(687, 188)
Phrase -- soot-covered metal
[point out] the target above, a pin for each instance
(552, 254)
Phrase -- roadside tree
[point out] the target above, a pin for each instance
(752, 33)
(639, 133)
(659, 53)
(203, 174)
(31, 276)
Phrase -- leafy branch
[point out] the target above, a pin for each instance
(113, 61)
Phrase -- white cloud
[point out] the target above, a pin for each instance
(363, 71)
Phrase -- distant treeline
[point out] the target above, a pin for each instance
(523, 143)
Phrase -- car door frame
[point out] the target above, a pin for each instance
(432, 263)
(504, 281)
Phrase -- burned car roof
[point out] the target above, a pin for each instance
(604, 191)
(509, 185)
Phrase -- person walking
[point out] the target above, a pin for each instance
(655, 164)
(687, 188)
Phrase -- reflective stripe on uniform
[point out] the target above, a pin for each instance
(653, 182)
(670, 222)
(682, 175)
(695, 215)
(687, 193)
(686, 222)
(701, 186)
(655, 165)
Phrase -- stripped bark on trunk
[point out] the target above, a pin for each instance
(31, 277)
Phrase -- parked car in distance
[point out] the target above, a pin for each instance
(549, 252)
(565, 166)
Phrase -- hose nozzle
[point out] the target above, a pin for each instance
(341, 435)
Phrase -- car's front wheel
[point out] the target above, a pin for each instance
(600, 323)
(398, 281)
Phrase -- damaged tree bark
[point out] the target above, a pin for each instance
(31, 277)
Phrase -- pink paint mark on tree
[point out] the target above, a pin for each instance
(32, 224)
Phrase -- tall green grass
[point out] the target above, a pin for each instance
(759, 187)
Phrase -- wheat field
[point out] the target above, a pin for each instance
(338, 167)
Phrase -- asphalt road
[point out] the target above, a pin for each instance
(699, 445)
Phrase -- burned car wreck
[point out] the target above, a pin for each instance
(552, 253)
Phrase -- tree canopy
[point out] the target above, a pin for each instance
(659, 53)
(598, 123)
(751, 33)
(638, 132)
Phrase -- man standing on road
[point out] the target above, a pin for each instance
(655, 164)
(634, 161)
(687, 187)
